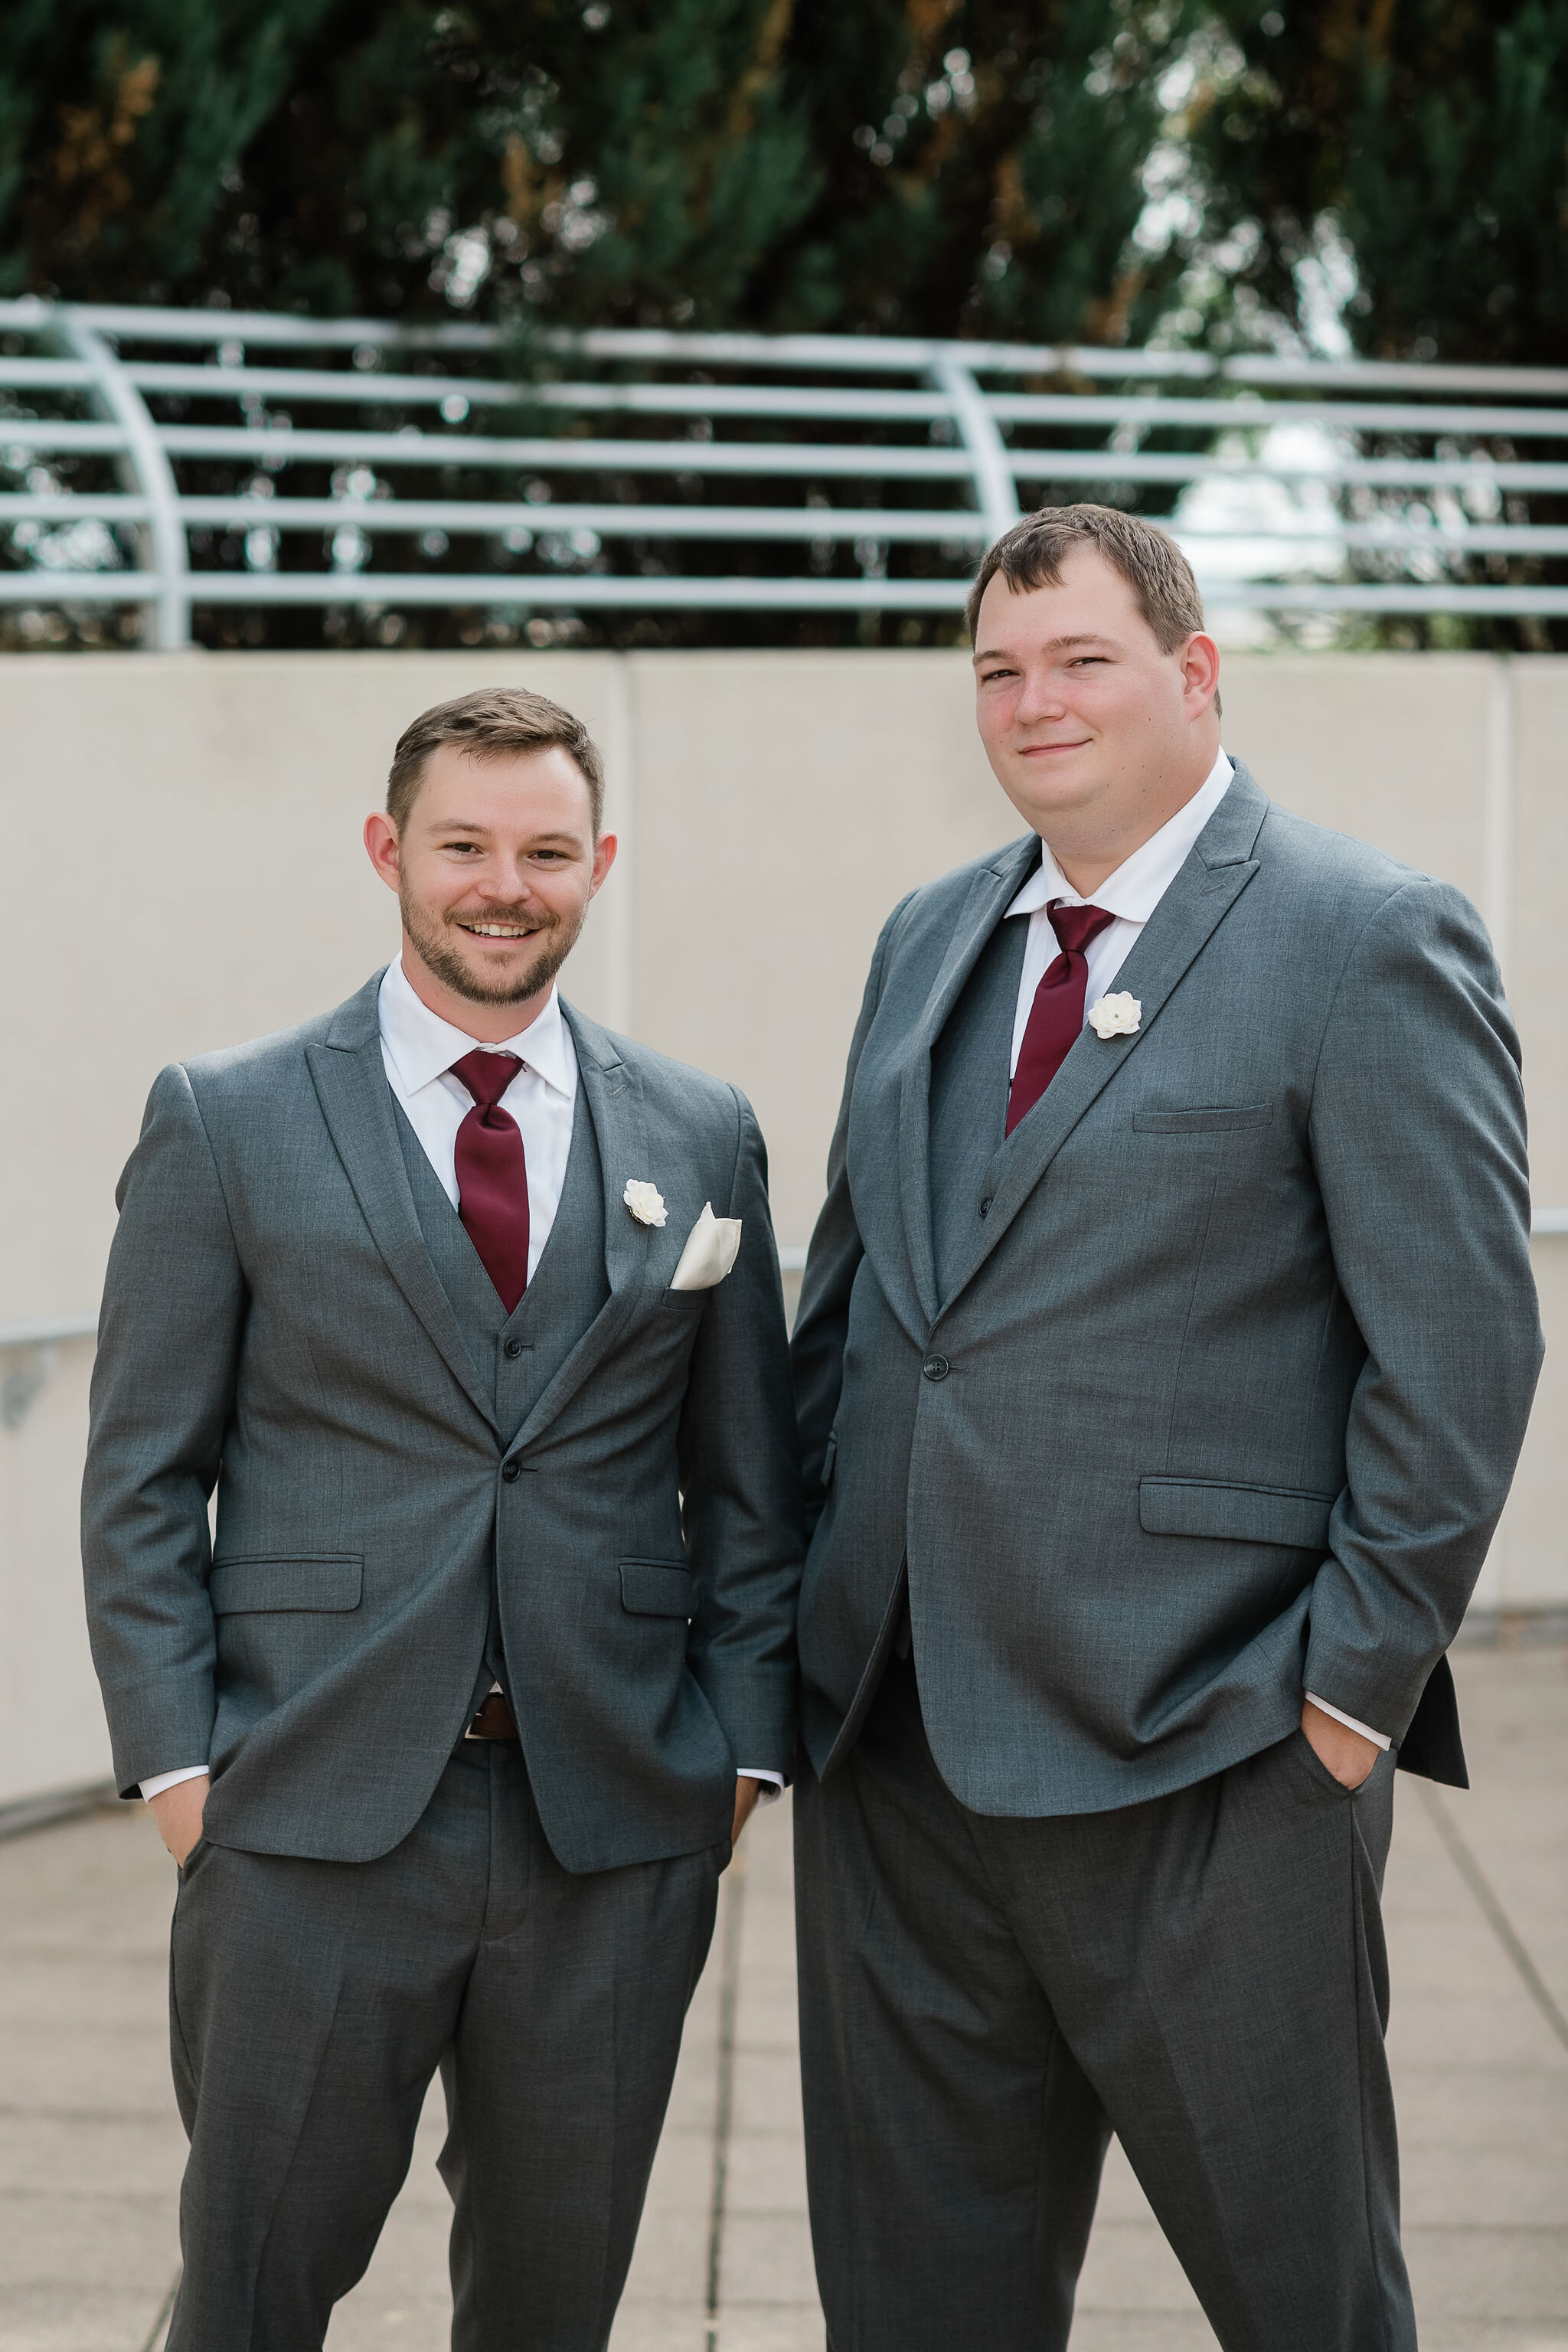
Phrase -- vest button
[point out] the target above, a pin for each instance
(986, 1206)
(511, 1470)
(936, 1367)
(511, 1346)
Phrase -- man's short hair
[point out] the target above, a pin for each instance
(489, 723)
(1031, 555)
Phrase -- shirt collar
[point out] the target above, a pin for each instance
(1140, 881)
(423, 1047)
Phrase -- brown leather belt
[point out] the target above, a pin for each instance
(495, 1720)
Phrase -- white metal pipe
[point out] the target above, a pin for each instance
(44, 586)
(147, 464)
(1150, 410)
(43, 1330)
(22, 375)
(72, 506)
(870, 353)
(370, 390)
(1156, 411)
(995, 493)
(410, 448)
(473, 517)
(484, 518)
(62, 432)
(1378, 473)
(534, 591)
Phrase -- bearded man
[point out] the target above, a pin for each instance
(451, 1724)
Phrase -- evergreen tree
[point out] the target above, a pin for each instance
(980, 168)
(1433, 134)
(1431, 137)
(904, 166)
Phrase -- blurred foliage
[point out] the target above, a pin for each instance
(1058, 171)
(922, 166)
(1431, 136)
(899, 165)
(1403, 164)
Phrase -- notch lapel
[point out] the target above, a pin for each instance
(1218, 870)
(351, 1084)
(613, 1094)
(990, 894)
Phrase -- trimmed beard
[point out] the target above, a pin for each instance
(439, 954)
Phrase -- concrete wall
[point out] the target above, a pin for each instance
(185, 870)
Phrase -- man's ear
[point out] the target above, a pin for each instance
(382, 848)
(1200, 670)
(605, 850)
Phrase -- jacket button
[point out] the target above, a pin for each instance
(511, 1470)
(511, 1346)
(986, 1206)
(936, 1367)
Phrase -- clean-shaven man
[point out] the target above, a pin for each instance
(1164, 1351)
(471, 1313)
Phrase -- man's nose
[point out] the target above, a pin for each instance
(1040, 696)
(500, 887)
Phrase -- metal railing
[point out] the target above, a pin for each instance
(171, 460)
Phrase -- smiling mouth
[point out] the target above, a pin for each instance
(499, 931)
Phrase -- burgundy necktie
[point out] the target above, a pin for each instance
(1056, 1015)
(492, 1174)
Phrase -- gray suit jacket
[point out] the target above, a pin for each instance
(273, 1325)
(1208, 1383)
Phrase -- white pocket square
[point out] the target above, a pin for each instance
(711, 1247)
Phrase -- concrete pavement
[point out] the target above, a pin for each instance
(90, 2148)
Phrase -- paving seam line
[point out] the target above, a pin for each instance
(1496, 1917)
(153, 2339)
(733, 1905)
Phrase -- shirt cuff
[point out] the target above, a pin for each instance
(772, 1786)
(162, 1780)
(1378, 1738)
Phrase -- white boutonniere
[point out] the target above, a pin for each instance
(645, 1201)
(1115, 1016)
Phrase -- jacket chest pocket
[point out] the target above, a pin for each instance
(1218, 1119)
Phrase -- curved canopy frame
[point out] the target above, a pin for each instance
(170, 461)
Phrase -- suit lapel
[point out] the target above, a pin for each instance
(991, 893)
(613, 1096)
(1216, 872)
(351, 1084)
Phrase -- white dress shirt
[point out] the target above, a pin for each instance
(417, 1051)
(1131, 895)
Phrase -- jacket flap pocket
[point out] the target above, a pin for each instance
(658, 1588)
(1268, 1515)
(830, 1458)
(301, 1580)
(1215, 1121)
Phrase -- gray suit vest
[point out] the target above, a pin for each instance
(516, 1356)
(969, 1146)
